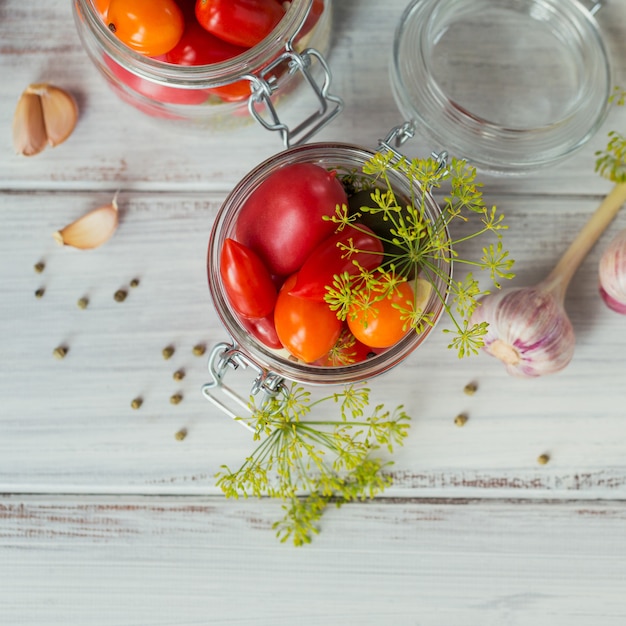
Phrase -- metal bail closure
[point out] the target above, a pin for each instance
(398, 135)
(224, 357)
(264, 86)
(593, 6)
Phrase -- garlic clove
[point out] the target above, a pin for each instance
(29, 130)
(60, 112)
(44, 114)
(612, 274)
(422, 290)
(529, 331)
(92, 229)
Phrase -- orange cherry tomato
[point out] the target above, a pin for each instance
(308, 329)
(150, 27)
(378, 323)
(347, 351)
(102, 6)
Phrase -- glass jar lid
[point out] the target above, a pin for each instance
(509, 85)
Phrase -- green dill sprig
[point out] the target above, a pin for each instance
(618, 97)
(611, 162)
(424, 245)
(309, 463)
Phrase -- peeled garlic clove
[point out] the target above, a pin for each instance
(529, 330)
(92, 229)
(422, 289)
(612, 274)
(44, 114)
(60, 112)
(29, 130)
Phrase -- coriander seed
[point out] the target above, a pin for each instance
(120, 295)
(461, 419)
(82, 303)
(470, 389)
(39, 267)
(134, 283)
(60, 352)
(136, 403)
(177, 398)
(178, 375)
(167, 352)
(199, 349)
(39, 293)
(181, 434)
(543, 459)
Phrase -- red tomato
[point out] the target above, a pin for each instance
(199, 47)
(159, 93)
(306, 328)
(329, 259)
(380, 323)
(347, 351)
(150, 27)
(317, 8)
(264, 330)
(312, 18)
(282, 219)
(188, 7)
(248, 284)
(242, 22)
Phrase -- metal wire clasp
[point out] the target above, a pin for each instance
(224, 357)
(265, 84)
(594, 6)
(398, 135)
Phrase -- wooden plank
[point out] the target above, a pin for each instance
(68, 425)
(184, 561)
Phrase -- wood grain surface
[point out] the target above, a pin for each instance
(106, 518)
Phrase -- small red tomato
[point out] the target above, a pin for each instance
(317, 8)
(150, 27)
(282, 221)
(379, 323)
(248, 284)
(199, 47)
(242, 22)
(161, 94)
(306, 328)
(331, 257)
(264, 330)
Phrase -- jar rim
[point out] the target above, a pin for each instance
(193, 76)
(432, 84)
(267, 359)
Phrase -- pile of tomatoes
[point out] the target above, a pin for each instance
(283, 256)
(193, 32)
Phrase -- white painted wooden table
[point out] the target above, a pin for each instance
(106, 518)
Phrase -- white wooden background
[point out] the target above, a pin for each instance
(106, 518)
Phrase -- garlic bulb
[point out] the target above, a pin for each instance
(92, 229)
(528, 328)
(45, 115)
(612, 274)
